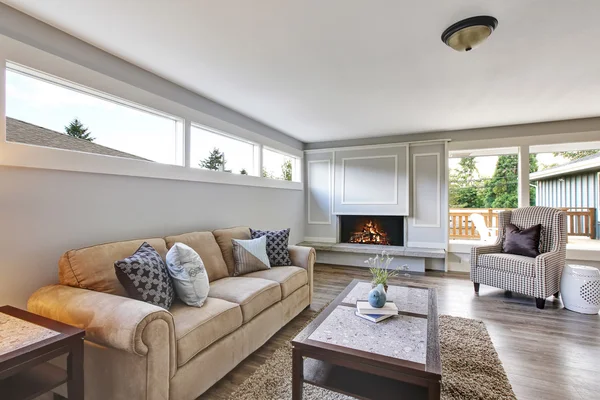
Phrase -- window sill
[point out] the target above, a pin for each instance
(29, 156)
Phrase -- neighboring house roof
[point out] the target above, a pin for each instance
(24, 132)
(589, 163)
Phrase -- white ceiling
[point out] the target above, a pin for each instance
(341, 69)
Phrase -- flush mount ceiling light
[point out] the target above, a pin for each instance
(469, 33)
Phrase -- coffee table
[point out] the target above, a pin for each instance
(398, 358)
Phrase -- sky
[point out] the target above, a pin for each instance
(124, 128)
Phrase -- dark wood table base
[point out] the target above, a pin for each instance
(362, 374)
(25, 373)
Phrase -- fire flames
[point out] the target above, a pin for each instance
(370, 234)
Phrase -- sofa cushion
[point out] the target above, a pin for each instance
(289, 278)
(206, 246)
(93, 267)
(252, 294)
(197, 328)
(515, 264)
(223, 237)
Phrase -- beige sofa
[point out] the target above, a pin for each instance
(135, 350)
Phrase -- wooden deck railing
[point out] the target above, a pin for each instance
(462, 228)
(580, 221)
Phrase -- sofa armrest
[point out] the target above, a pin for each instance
(304, 257)
(109, 320)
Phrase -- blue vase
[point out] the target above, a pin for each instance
(377, 297)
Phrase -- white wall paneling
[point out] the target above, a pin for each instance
(319, 192)
(371, 180)
(426, 190)
(320, 224)
(428, 222)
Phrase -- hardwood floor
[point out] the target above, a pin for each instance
(548, 354)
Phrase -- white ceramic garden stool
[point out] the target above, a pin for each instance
(580, 289)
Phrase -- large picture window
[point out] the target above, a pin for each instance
(219, 152)
(46, 111)
(278, 165)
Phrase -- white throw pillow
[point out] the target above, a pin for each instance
(189, 275)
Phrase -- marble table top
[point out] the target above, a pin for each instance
(408, 299)
(403, 337)
(16, 333)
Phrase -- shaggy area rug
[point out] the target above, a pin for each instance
(471, 369)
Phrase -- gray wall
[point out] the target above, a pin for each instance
(44, 213)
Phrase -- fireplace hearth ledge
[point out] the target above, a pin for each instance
(394, 251)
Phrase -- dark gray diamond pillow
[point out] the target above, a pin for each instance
(277, 246)
(145, 277)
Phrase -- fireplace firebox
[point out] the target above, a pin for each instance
(382, 230)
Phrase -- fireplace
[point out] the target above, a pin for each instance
(372, 229)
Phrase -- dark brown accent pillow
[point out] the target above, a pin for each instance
(524, 242)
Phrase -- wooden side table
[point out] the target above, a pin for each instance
(27, 342)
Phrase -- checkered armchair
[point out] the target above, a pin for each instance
(538, 277)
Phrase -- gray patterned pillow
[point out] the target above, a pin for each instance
(145, 277)
(277, 246)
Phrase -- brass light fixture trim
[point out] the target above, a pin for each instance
(469, 33)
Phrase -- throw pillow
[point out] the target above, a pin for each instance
(277, 246)
(250, 255)
(144, 276)
(188, 273)
(524, 242)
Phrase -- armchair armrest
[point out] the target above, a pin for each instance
(109, 320)
(304, 257)
(480, 250)
(548, 271)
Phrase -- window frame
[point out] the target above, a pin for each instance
(255, 146)
(296, 167)
(75, 87)
(31, 156)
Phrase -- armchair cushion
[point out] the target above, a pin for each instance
(512, 263)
